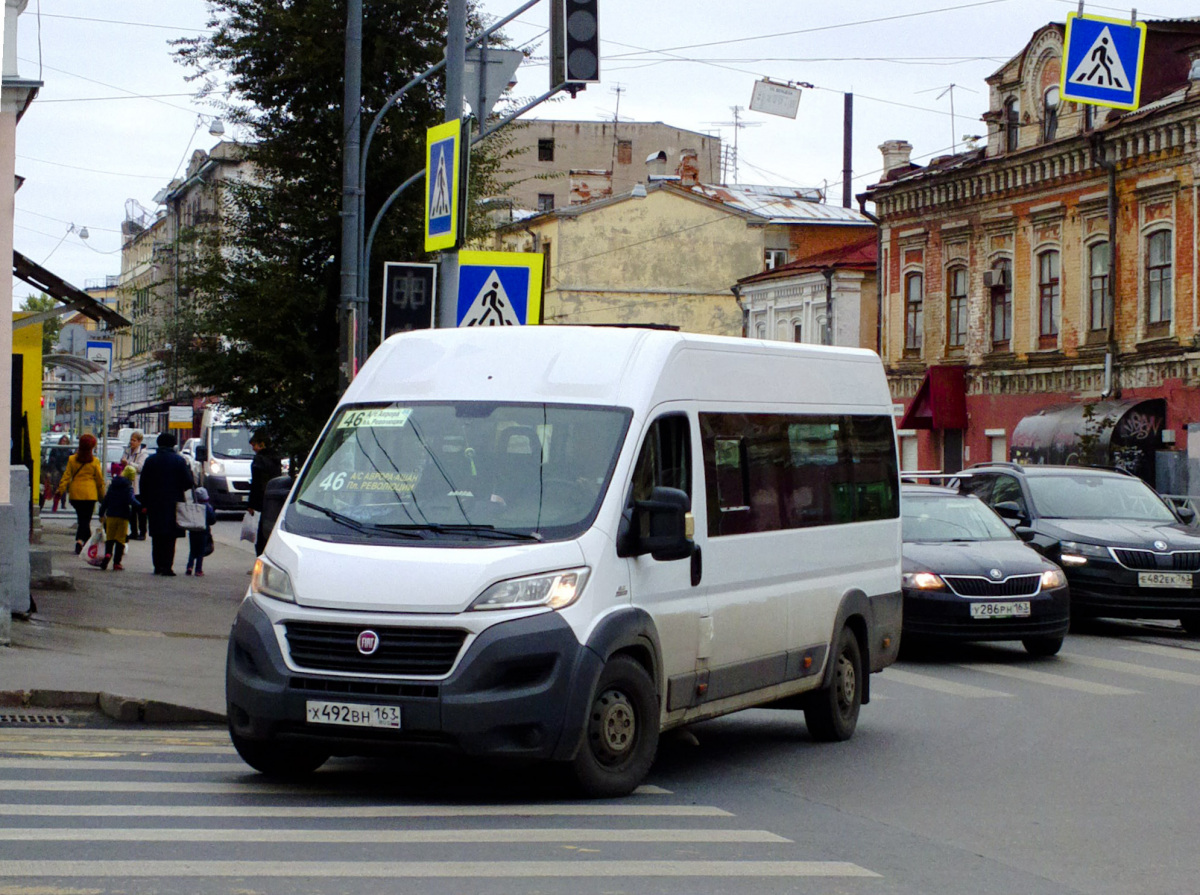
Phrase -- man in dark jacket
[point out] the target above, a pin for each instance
(264, 467)
(165, 480)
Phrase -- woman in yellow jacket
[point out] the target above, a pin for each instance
(83, 482)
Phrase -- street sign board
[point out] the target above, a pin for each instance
(100, 353)
(775, 99)
(1102, 61)
(483, 84)
(499, 288)
(442, 185)
(409, 293)
(179, 416)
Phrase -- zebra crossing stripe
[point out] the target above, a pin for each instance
(1050, 680)
(929, 682)
(1162, 674)
(1168, 652)
(432, 869)
(8, 809)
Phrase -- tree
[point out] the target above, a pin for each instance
(261, 314)
(52, 326)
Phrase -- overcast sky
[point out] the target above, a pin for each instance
(115, 120)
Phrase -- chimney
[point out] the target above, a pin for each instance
(656, 164)
(895, 155)
(689, 168)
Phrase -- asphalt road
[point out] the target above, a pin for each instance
(975, 770)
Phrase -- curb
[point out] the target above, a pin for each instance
(119, 708)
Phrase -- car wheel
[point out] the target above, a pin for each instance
(832, 713)
(621, 733)
(1042, 646)
(1191, 623)
(276, 759)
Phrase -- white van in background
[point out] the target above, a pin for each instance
(224, 455)
(557, 542)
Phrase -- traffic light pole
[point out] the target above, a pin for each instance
(349, 308)
(456, 60)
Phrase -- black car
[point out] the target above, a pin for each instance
(967, 576)
(1127, 553)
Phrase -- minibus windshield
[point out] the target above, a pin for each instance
(231, 442)
(458, 473)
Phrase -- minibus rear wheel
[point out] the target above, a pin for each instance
(276, 759)
(832, 713)
(621, 733)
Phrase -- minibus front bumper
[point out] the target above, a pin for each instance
(510, 694)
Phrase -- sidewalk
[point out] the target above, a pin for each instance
(138, 645)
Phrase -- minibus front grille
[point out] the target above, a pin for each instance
(428, 652)
(1016, 586)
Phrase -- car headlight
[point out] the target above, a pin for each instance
(1077, 553)
(923, 581)
(1053, 578)
(554, 589)
(216, 467)
(271, 581)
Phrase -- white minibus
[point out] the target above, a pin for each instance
(556, 542)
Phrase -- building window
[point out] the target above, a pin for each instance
(1158, 277)
(1048, 292)
(545, 202)
(774, 258)
(546, 150)
(914, 322)
(956, 307)
(1012, 124)
(545, 265)
(796, 333)
(760, 331)
(624, 152)
(1000, 283)
(1099, 317)
(1049, 114)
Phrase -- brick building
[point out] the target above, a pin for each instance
(1053, 267)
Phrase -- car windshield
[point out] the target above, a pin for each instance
(483, 473)
(950, 518)
(231, 442)
(1083, 496)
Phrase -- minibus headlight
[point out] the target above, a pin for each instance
(216, 467)
(271, 581)
(555, 589)
(923, 581)
(1053, 578)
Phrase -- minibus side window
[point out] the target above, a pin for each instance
(666, 458)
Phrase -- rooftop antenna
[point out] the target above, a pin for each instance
(737, 124)
(949, 89)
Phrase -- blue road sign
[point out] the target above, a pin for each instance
(1102, 61)
(499, 288)
(442, 186)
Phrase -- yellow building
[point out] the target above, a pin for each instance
(27, 358)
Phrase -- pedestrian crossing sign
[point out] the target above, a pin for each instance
(499, 288)
(1102, 61)
(442, 186)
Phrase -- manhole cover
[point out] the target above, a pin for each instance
(35, 718)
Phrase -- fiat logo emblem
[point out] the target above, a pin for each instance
(1160, 545)
(368, 642)
(996, 573)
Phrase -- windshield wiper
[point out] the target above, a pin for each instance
(351, 522)
(468, 528)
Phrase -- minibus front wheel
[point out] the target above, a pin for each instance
(832, 712)
(620, 737)
(276, 759)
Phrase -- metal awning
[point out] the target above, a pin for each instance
(941, 401)
(37, 276)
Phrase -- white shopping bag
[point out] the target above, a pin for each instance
(250, 528)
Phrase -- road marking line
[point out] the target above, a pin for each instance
(1050, 680)
(316, 785)
(20, 809)
(58, 763)
(928, 682)
(123, 735)
(1170, 652)
(1162, 674)
(647, 789)
(35, 747)
(151, 834)
(431, 869)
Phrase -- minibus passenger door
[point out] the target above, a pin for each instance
(668, 589)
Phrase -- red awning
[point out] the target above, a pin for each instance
(941, 401)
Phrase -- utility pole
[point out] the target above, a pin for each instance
(351, 312)
(456, 57)
(847, 147)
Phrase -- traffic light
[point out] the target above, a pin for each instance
(574, 42)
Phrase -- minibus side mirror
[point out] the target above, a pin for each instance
(660, 526)
(201, 453)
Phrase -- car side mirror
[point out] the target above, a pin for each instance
(1025, 533)
(660, 526)
(1186, 515)
(1009, 509)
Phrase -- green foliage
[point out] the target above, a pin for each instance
(50, 327)
(261, 318)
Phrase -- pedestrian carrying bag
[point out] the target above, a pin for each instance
(209, 544)
(249, 528)
(189, 515)
(93, 550)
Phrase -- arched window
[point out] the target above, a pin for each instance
(1048, 295)
(1000, 283)
(1158, 277)
(1099, 313)
(1049, 114)
(797, 332)
(956, 307)
(1012, 123)
(914, 313)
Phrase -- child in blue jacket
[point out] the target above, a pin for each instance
(198, 541)
(116, 509)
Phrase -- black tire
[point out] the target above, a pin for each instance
(274, 759)
(620, 738)
(832, 713)
(1042, 646)
(1191, 623)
